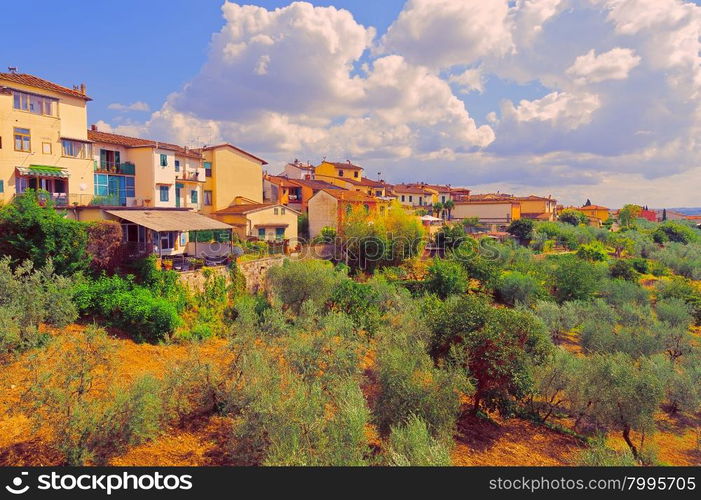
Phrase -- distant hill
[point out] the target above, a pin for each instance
(687, 210)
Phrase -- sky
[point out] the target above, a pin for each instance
(578, 99)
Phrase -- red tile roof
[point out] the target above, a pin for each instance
(136, 142)
(40, 83)
(244, 208)
(410, 188)
(354, 196)
(593, 207)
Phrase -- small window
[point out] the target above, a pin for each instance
(22, 139)
(355, 174)
(177, 165)
(282, 211)
(168, 240)
(46, 148)
(275, 211)
(2, 186)
(261, 233)
(208, 198)
(340, 173)
(164, 191)
(208, 169)
(279, 233)
(164, 160)
(183, 239)
(411, 199)
(403, 198)
(193, 196)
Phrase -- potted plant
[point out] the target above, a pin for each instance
(167, 264)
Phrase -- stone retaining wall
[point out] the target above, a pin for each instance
(253, 270)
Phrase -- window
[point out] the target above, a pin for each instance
(168, 240)
(378, 193)
(340, 173)
(261, 233)
(183, 239)
(208, 198)
(208, 169)
(279, 233)
(2, 186)
(411, 199)
(177, 165)
(164, 160)
(282, 211)
(22, 139)
(403, 198)
(275, 211)
(164, 191)
(193, 196)
(76, 149)
(39, 105)
(355, 174)
(109, 160)
(46, 148)
(101, 185)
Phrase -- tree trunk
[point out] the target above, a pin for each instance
(629, 442)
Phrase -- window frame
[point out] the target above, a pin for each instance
(164, 191)
(27, 136)
(164, 160)
(207, 197)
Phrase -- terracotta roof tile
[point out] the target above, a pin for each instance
(40, 83)
(136, 142)
(346, 165)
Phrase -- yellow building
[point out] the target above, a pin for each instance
(537, 207)
(43, 139)
(230, 173)
(596, 212)
(349, 176)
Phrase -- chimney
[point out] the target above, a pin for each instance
(93, 127)
(82, 88)
(12, 69)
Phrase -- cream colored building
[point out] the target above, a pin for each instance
(43, 139)
(131, 171)
(498, 212)
(263, 221)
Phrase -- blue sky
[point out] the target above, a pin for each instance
(576, 98)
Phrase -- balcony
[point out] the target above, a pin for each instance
(188, 175)
(124, 168)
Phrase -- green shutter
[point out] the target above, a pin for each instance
(2, 186)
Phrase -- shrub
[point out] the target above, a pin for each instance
(574, 279)
(681, 289)
(558, 319)
(641, 265)
(619, 293)
(451, 319)
(675, 232)
(595, 252)
(572, 217)
(522, 229)
(501, 356)
(517, 288)
(104, 246)
(411, 444)
(29, 298)
(33, 230)
(358, 300)
(600, 455)
(623, 269)
(75, 394)
(446, 278)
(409, 384)
(295, 282)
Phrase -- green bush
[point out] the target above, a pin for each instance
(411, 444)
(29, 298)
(360, 301)
(31, 229)
(623, 269)
(641, 265)
(446, 277)
(516, 288)
(595, 252)
(619, 292)
(680, 288)
(575, 279)
(410, 384)
(295, 282)
(451, 319)
(675, 232)
(675, 312)
(558, 319)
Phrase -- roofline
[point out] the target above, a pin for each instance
(226, 144)
(275, 205)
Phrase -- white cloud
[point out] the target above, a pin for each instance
(470, 80)
(444, 33)
(134, 106)
(561, 110)
(612, 65)
(585, 98)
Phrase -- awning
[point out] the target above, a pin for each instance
(272, 224)
(43, 171)
(169, 220)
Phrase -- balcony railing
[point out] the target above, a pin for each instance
(188, 175)
(125, 168)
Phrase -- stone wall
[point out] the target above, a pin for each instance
(253, 270)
